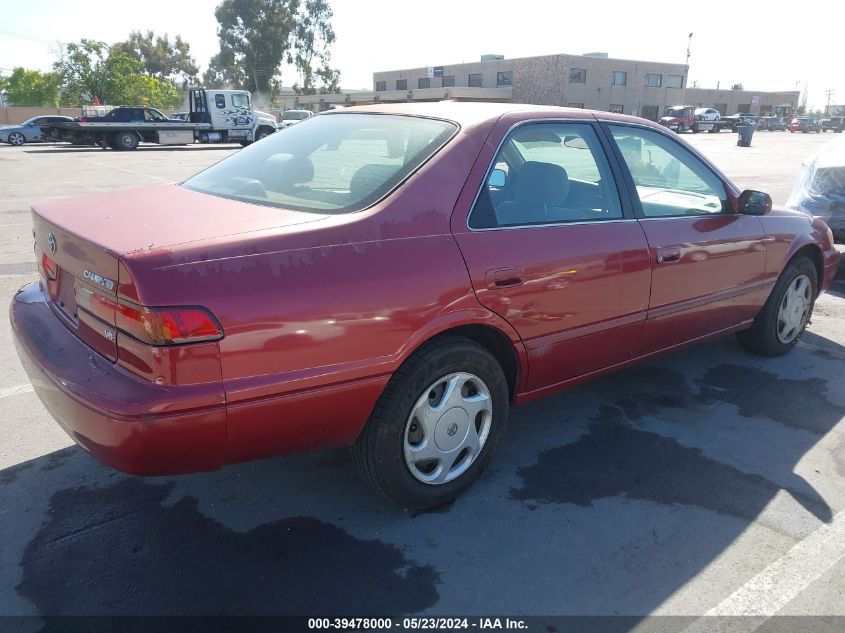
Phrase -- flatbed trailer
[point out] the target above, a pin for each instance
(230, 119)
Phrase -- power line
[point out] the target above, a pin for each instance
(30, 38)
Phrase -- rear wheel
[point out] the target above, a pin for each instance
(125, 141)
(786, 313)
(17, 139)
(436, 426)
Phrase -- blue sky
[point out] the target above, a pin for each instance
(763, 48)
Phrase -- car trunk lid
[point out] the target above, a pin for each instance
(83, 240)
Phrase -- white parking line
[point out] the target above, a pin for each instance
(14, 391)
(783, 580)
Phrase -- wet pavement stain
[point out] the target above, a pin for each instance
(119, 551)
(646, 390)
(800, 404)
(613, 459)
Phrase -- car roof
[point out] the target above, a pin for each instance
(474, 113)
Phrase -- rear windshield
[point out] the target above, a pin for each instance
(327, 164)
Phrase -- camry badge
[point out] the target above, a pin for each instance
(51, 242)
(105, 282)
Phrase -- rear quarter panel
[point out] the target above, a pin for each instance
(335, 306)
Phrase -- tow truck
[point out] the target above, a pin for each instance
(683, 117)
(214, 116)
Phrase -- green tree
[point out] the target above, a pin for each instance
(81, 67)
(32, 88)
(258, 36)
(159, 56)
(90, 69)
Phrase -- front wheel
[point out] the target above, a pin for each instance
(17, 139)
(786, 313)
(436, 426)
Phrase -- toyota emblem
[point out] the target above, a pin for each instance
(51, 241)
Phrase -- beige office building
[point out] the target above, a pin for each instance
(594, 81)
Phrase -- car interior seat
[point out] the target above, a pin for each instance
(539, 188)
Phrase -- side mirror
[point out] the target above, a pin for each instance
(497, 178)
(754, 202)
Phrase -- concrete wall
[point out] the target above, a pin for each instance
(16, 115)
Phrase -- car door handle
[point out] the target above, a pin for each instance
(668, 255)
(505, 278)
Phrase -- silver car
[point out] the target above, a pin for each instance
(30, 130)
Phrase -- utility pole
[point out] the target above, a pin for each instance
(829, 93)
(686, 79)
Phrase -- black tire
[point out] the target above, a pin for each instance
(263, 133)
(125, 141)
(762, 337)
(379, 450)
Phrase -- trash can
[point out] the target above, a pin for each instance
(745, 134)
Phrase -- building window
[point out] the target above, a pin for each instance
(474, 81)
(675, 81)
(381, 86)
(619, 78)
(423, 82)
(653, 81)
(401, 84)
(577, 76)
(504, 78)
(722, 108)
(744, 108)
(616, 108)
(449, 81)
(574, 105)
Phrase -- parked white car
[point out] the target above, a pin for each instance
(707, 114)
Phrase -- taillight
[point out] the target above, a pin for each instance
(49, 268)
(167, 326)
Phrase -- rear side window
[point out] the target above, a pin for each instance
(220, 101)
(337, 163)
(547, 173)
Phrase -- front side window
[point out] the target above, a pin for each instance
(675, 81)
(401, 84)
(474, 80)
(381, 86)
(338, 163)
(504, 78)
(240, 100)
(220, 101)
(577, 76)
(547, 173)
(653, 80)
(619, 78)
(448, 81)
(670, 181)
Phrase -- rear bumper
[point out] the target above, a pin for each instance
(125, 422)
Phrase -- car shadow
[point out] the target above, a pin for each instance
(604, 500)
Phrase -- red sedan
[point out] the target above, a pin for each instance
(392, 277)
